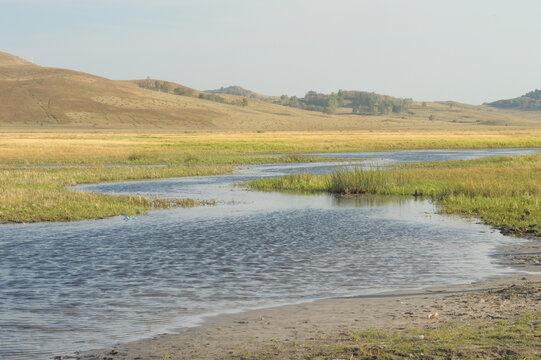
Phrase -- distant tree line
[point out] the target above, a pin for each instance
(156, 85)
(184, 91)
(360, 102)
(536, 94)
(529, 102)
(235, 90)
(212, 97)
(363, 102)
(164, 86)
(312, 101)
(217, 98)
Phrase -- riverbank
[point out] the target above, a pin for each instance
(492, 318)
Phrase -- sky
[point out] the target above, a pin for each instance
(470, 51)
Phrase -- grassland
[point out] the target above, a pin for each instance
(174, 148)
(30, 193)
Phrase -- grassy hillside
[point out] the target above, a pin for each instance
(40, 98)
(527, 102)
(34, 96)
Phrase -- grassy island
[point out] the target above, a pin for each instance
(504, 192)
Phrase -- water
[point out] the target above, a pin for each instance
(433, 155)
(90, 284)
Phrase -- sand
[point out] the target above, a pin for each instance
(310, 326)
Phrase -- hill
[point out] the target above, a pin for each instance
(31, 95)
(12, 60)
(529, 102)
(36, 98)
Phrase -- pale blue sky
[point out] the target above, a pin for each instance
(470, 51)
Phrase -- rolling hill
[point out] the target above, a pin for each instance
(33, 97)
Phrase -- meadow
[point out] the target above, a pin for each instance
(36, 169)
(176, 148)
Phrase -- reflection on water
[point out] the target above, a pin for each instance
(93, 283)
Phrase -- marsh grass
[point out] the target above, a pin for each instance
(504, 192)
(361, 181)
(30, 195)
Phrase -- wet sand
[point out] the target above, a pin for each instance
(292, 331)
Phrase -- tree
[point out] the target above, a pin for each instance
(397, 107)
(148, 83)
(166, 87)
(245, 102)
(183, 91)
(294, 102)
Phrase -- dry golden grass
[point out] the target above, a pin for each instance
(169, 147)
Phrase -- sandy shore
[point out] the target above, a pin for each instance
(289, 332)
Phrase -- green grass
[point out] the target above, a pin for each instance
(504, 192)
(509, 339)
(30, 194)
